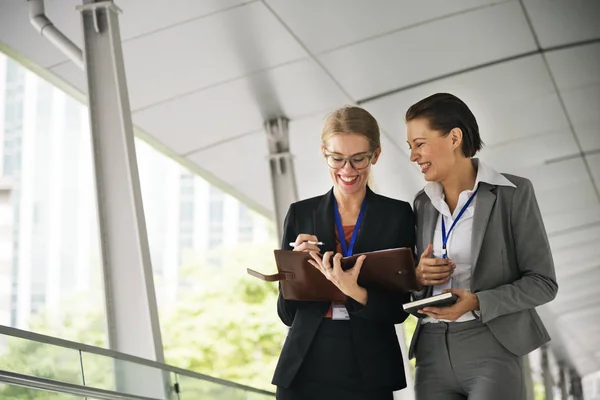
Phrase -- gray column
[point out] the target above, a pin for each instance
(133, 325)
(528, 378)
(562, 382)
(547, 374)
(281, 165)
(576, 387)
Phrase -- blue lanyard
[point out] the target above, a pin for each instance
(346, 252)
(460, 214)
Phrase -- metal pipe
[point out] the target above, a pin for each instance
(46, 28)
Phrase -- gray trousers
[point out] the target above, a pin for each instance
(458, 361)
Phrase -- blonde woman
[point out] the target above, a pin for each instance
(350, 350)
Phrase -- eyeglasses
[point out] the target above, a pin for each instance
(357, 161)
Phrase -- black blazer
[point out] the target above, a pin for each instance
(387, 223)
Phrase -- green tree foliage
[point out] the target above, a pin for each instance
(224, 324)
(81, 323)
(409, 329)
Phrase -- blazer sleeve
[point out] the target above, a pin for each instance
(537, 284)
(383, 305)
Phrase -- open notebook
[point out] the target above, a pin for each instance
(391, 269)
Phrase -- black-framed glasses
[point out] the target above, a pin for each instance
(357, 161)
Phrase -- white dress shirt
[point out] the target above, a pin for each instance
(458, 247)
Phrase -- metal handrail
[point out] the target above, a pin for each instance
(45, 339)
(66, 388)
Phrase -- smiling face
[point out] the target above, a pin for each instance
(435, 153)
(343, 150)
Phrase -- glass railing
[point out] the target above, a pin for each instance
(14, 392)
(35, 366)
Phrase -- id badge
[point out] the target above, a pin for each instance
(339, 312)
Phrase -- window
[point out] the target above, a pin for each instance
(215, 319)
(52, 214)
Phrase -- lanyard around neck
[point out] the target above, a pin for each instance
(347, 251)
(460, 214)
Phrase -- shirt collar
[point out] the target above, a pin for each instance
(485, 173)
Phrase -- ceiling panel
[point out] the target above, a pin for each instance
(510, 100)
(582, 105)
(325, 25)
(564, 21)
(576, 261)
(221, 112)
(444, 46)
(588, 134)
(205, 52)
(561, 189)
(573, 219)
(576, 73)
(574, 241)
(142, 17)
(242, 164)
(518, 121)
(575, 67)
(579, 290)
(557, 175)
(514, 157)
(594, 163)
(569, 197)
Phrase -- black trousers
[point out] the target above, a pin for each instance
(330, 369)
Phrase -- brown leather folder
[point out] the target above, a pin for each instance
(391, 269)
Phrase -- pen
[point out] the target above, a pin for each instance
(293, 244)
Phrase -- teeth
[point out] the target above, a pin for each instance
(348, 179)
(424, 166)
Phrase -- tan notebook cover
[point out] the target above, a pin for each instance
(391, 269)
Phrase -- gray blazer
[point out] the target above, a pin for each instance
(513, 270)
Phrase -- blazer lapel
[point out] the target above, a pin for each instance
(324, 223)
(370, 229)
(483, 209)
(430, 217)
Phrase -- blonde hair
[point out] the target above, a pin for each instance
(352, 119)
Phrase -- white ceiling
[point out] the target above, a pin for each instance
(203, 75)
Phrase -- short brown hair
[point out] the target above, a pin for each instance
(352, 119)
(445, 112)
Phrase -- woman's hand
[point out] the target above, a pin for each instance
(302, 243)
(466, 302)
(346, 281)
(433, 271)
